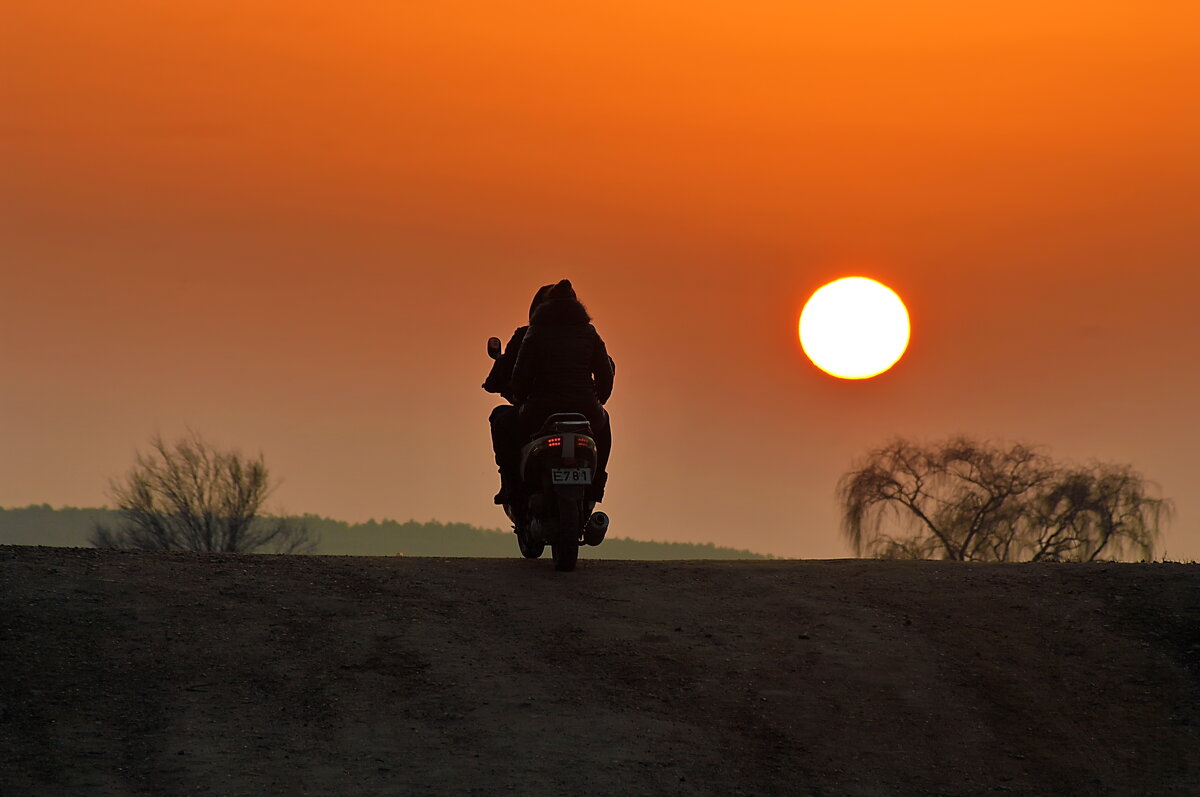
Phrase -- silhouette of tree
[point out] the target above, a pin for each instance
(191, 497)
(976, 502)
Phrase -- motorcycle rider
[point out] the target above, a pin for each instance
(504, 420)
(562, 365)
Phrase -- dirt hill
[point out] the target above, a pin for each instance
(165, 674)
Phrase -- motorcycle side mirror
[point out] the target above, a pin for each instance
(493, 348)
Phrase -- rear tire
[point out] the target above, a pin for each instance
(566, 554)
(570, 526)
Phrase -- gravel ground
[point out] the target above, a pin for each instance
(175, 673)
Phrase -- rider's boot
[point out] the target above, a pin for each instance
(508, 485)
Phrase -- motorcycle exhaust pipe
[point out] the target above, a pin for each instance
(596, 528)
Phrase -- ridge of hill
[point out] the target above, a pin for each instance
(71, 527)
(129, 672)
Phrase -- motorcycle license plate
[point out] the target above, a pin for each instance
(571, 475)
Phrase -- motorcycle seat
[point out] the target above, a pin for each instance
(566, 423)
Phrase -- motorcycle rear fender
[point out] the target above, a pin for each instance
(537, 452)
(569, 492)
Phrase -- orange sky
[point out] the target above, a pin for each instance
(292, 227)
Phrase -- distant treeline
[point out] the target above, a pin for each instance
(71, 527)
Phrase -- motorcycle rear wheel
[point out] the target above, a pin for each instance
(570, 525)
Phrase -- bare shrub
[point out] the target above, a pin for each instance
(976, 502)
(189, 496)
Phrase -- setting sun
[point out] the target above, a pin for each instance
(854, 328)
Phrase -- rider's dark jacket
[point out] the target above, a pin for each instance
(562, 362)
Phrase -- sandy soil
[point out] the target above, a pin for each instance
(164, 674)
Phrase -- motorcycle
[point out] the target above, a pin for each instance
(550, 505)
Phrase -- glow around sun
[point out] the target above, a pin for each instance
(854, 328)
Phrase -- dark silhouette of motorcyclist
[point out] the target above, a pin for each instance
(504, 420)
(563, 365)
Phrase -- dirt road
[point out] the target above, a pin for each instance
(172, 674)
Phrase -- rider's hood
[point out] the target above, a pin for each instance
(560, 312)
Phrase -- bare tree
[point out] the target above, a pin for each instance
(968, 501)
(189, 496)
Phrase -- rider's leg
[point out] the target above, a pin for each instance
(602, 430)
(506, 443)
